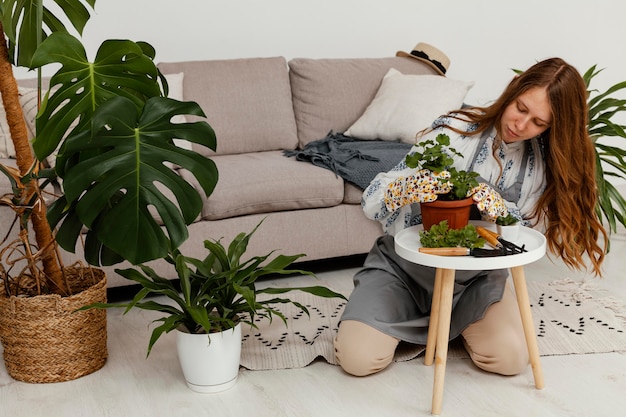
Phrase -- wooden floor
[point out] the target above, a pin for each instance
(131, 385)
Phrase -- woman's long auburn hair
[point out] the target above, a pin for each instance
(568, 204)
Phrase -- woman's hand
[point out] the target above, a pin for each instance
(489, 202)
(421, 187)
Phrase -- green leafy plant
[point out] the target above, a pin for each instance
(462, 182)
(110, 121)
(441, 236)
(604, 110)
(216, 292)
(507, 220)
(437, 156)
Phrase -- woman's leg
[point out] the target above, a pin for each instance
(496, 343)
(362, 350)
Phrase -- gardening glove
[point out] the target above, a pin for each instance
(421, 187)
(489, 202)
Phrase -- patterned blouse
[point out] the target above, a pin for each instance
(510, 156)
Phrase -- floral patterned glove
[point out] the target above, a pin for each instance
(489, 202)
(421, 187)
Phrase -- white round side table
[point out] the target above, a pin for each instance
(407, 244)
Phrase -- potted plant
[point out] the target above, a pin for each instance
(107, 119)
(508, 227)
(217, 294)
(454, 206)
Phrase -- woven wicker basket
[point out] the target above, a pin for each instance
(45, 340)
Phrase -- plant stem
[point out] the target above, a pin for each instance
(25, 160)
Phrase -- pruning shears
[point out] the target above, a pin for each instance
(496, 241)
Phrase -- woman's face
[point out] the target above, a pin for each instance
(527, 116)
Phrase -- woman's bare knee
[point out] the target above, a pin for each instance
(362, 350)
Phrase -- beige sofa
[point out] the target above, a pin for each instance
(260, 107)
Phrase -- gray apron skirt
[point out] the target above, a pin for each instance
(394, 295)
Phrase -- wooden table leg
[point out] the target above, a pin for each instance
(434, 320)
(521, 291)
(443, 333)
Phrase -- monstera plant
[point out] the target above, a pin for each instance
(109, 123)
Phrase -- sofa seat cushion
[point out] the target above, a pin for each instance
(352, 194)
(331, 94)
(247, 102)
(264, 182)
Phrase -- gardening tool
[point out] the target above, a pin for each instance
(498, 242)
(461, 251)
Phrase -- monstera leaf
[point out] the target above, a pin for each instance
(27, 22)
(121, 68)
(114, 173)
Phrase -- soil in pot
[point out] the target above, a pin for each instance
(456, 212)
(46, 340)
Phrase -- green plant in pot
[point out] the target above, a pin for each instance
(216, 295)
(436, 156)
(110, 122)
(508, 227)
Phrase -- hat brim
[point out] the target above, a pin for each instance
(430, 64)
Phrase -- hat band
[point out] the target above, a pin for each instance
(423, 55)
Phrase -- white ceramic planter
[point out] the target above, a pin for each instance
(210, 363)
(510, 233)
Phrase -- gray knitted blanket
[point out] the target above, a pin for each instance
(357, 161)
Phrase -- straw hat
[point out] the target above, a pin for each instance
(430, 55)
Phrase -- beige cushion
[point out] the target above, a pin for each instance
(268, 181)
(331, 94)
(247, 102)
(175, 84)
(407, 104)
(352, 194)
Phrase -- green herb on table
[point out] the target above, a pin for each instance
(440, 236)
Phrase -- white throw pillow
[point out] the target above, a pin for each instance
(407, 104)
(175, 84)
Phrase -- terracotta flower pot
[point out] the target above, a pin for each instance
(456, 212)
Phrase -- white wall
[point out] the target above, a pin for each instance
(484, 39)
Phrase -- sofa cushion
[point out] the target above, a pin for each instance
(247, 102)
(352, 194)
(264, 182)
(331, 94)
(407, 104)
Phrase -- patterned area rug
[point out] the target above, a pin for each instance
(570, 318)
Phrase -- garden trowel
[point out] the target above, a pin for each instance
(461, 251)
